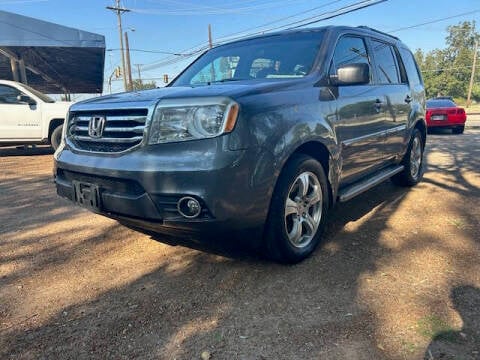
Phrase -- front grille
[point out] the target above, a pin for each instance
(123, 130)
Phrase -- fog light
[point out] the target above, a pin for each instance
(189, 207)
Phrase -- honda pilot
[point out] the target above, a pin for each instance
(263, 134)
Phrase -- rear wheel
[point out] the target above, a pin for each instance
(56, 137)
(298, 210)
(412, 162)
(458, 130)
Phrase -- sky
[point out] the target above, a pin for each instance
(157, 27)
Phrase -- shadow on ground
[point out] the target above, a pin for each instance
(362, 295)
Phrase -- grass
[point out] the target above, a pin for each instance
(434, 327)
(459, 223)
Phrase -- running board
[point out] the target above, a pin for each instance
(366, 184)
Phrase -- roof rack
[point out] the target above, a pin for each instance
(377, 31)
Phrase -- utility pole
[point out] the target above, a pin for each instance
(129, 67)
(139, 73)
(472, 77)
(119, 10)
(210, 44)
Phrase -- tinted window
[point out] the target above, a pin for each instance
(38, 94)
(440, 103)
(350, 50)
(220, 68)
(273, 57)
(8, 95)
(386, 64)
(411, 67)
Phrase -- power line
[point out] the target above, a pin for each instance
(151, 51)
(316, 18)
(197, 49)
(281, 19)
(209, 10)
(435, 21)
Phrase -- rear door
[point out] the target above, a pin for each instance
(390, 74)
(360, 122)
(18, 120)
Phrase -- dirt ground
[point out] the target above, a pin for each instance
(397, 277)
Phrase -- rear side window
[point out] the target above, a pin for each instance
(386, 64)
(350, 50)
(411, 67)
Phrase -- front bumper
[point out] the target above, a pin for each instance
(142, 187)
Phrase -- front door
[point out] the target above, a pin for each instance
(18, 120)
(361, 122)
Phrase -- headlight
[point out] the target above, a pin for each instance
(189, 119)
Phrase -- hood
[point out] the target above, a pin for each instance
(56, 109)
(151, 97)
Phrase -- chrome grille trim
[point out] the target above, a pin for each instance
(110, 140)
(124, 129)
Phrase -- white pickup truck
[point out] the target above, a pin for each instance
(29, 117)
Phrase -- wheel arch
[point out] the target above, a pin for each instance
(318, 151)
(54, 123)
(422, 127)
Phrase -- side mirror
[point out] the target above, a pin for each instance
(26, 99)
(352, 74)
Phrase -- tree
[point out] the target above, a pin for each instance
(447, 71)
(142, 85)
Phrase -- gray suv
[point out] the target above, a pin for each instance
(258, 136)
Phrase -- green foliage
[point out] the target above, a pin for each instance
(142, 85)
(434, 327)
(447, 71)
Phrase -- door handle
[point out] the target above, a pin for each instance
(408, 99)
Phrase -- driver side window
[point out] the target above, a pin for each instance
(349, 50)
(8, 95)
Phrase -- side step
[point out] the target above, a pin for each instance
(366, 184)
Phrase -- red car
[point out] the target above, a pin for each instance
(444, 113)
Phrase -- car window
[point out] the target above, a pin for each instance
(273, 57)
(8, 95)
(350, 50)
(385, 62)
(411, 66)
(221, 68)
(444, 103)
(42, 96)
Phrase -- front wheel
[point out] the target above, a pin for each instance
(412, 162)
(56, 137)
(298, 210)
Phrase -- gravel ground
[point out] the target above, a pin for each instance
(397, 277)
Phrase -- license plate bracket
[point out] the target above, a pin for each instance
(87, 195)
(439, 117)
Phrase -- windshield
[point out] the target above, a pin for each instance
(440, 104)
(38, 94)
(274, 57)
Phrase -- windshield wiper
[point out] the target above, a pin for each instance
(225, 80)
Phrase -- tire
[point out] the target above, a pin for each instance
(458, 130)
(56, 137)
(412, 162)
(297, 213)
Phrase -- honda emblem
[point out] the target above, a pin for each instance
(96, 125)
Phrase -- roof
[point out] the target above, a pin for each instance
(359, 29)
(59, 59)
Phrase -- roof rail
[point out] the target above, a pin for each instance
(377, 31)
